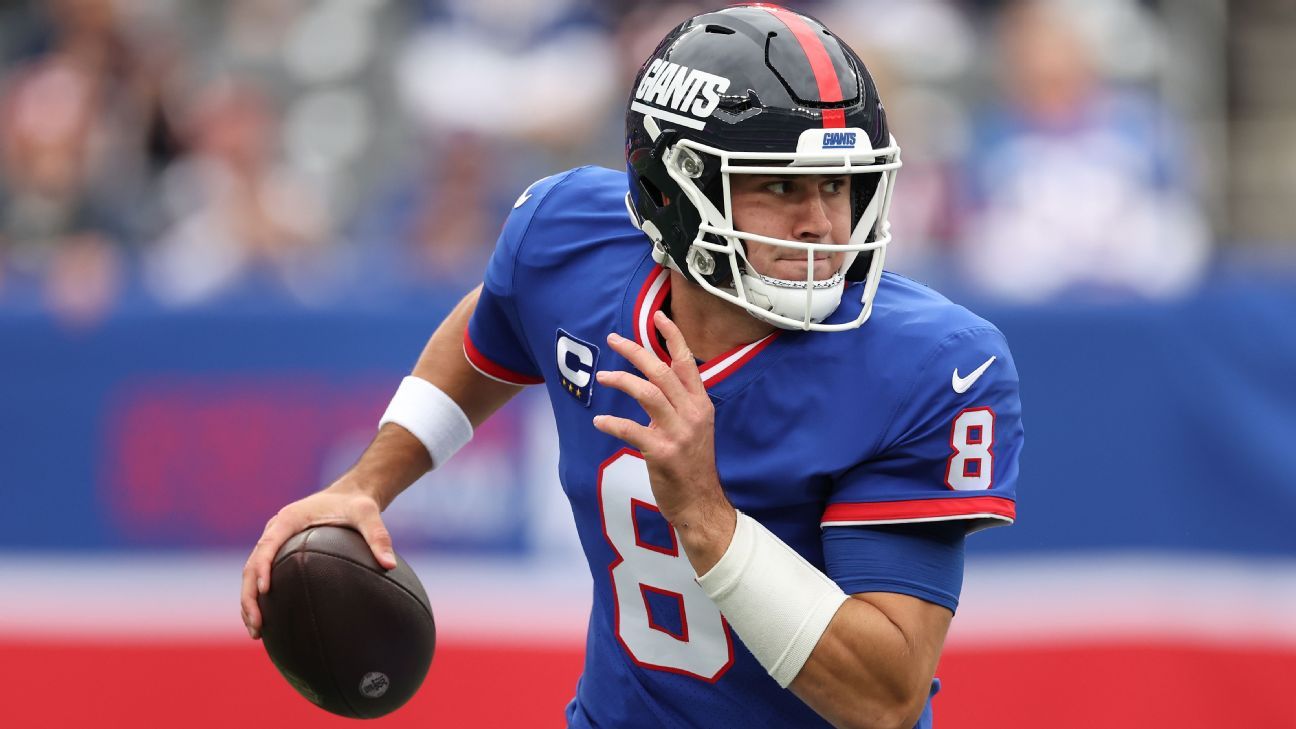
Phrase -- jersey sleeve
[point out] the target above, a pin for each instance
(920, 560)
(495, 341)
(952, 447)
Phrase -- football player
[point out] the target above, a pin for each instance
(773, 450)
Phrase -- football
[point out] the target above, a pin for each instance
(353, 638)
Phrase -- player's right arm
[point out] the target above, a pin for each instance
(394, 460)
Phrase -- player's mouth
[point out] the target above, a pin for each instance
(793, 267)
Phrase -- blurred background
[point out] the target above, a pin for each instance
(226, 230)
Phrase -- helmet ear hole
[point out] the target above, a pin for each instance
(863, 187)
(714, 191)
(859, 268)
(657, 197)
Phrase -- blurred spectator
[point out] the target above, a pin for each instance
(918, 58)
(1074, 186)
(240, 217)
(75, 119)
(50, 126)
(502, 92)
(434, 226)
(314, 148)
(534, 69)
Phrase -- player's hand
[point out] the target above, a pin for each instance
(678, 444)
(338, 505)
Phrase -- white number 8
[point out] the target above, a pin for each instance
(971, 467)
(703, 647)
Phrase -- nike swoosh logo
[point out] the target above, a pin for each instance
(961, 384)
(526, 194)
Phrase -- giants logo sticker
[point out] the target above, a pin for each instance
(839, 140)
(851, 140)
(577, 361)
(669, 85)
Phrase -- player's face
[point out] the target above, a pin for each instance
(805, 208)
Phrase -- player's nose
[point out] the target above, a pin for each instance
(813, 223)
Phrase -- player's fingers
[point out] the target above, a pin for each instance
(277, 531)
(369, 523)
(648, 395)
(627, 430)
(682, 361)
(248, 603)
(256, 572)
(659, 373)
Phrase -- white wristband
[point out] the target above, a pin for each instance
(779, 603)
(431, 416)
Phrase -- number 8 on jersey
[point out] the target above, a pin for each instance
(702, 647)
(971, 466)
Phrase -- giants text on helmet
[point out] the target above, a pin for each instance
(678, 87)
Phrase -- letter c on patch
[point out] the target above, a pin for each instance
(577, 360)
(568, 348)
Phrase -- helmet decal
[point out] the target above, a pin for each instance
(691, 91)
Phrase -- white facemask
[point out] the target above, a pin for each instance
(788, 304)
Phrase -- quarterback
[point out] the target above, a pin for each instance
(773, 449)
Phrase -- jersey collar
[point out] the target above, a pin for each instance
(652, 296)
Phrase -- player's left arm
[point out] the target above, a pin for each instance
(863, 660)
(874, 664)
(894, 529)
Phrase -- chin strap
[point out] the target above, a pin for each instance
(788, 299)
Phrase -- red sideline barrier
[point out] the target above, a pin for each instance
(1117, 687)
(214, 685)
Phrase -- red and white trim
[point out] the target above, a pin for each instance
(918, 510)
(1020, 598)
(488, 368)
(651, 298)
(716, 370)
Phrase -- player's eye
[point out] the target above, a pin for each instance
(834, 185)
(779, 187)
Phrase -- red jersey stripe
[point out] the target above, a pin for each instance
(484, 365)
(920, 509)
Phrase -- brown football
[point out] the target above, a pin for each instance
(353, 638)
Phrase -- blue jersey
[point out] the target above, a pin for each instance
(898, 421)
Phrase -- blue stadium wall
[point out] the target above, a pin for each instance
(1159, 472)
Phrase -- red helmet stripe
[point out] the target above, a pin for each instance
(817, 53)
(834, 118)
